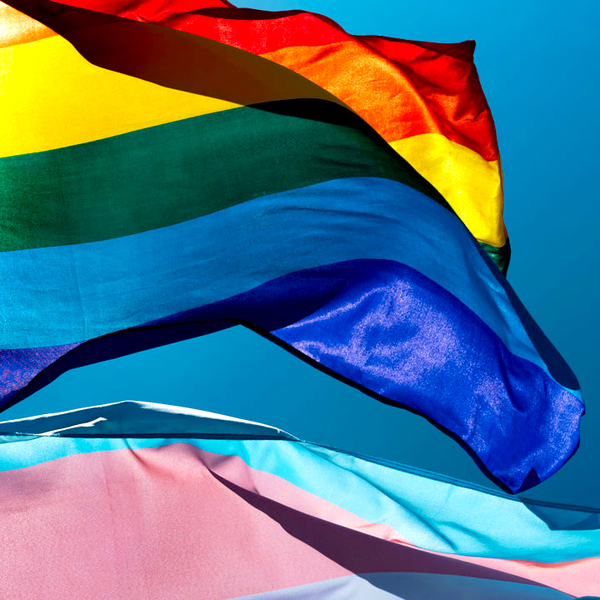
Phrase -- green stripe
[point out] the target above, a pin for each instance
(179, 171)
(500, 255)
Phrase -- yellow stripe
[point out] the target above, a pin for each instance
(51, 97)
(470, 184)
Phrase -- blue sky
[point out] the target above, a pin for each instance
(538, 66)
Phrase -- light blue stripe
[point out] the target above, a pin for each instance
(140, 419)
(60, 295)
(411, 586)
(434, 515)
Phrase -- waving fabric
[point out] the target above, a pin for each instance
(136, 500)
(425, 99)
(158, 185)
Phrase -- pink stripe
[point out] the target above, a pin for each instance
(159, 520)
(577, 577)
(147, 524)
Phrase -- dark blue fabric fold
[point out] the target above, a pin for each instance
(389, 330)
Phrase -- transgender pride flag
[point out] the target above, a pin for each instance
(135, 500)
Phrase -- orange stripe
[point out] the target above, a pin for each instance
(17, 28)
(424, 94)
(402, 88)
(406, 112)
(401, 100)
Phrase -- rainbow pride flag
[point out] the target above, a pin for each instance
(135, 500)
(423, 98)
(159, 185)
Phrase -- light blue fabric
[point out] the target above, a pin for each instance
(411, 586)
(429, 512)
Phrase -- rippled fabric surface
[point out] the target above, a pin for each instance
(136, 500)
(165, 185)
(423, 98)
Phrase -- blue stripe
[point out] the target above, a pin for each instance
(410, 586)
(389, 329)
(66, 294)
(379, 324)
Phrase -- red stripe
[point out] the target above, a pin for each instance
(440, 80)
